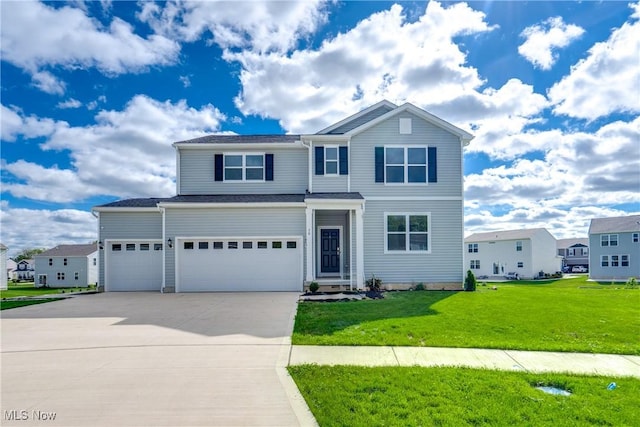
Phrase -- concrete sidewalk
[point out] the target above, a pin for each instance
(508, 360)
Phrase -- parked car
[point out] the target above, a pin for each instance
(579, 269)
(512, 276)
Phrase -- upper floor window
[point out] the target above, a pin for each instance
(50, 261)
(519, 246)
(331, 160)
(64, 261)
(407, 232)
(242, 167)
(473, 247)
(609, 240)
(635, 237)
(405, 164)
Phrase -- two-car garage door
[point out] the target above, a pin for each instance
(239, 264)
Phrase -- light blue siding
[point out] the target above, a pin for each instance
(230, 222)
(449, 158)
(197, 173)
(442, 265)
(626, 246)
(127, 225)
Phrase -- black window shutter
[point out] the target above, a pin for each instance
(432, 158)
(379, 164)
(219, 167)
(319, 160)
(344, 160)
(268, 167)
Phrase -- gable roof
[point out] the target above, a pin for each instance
(567, 243)
(619, 224)
(3, 247)
(242, 139)
(355, 120)
(70, 250)
(492, 236)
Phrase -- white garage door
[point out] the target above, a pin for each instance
(133, 266)
(239, 265)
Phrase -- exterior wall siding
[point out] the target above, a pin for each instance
(626, 246)
(544, 254)
(230, 222)
(503, 253)
(442, 265)
(74, 265)
(127, 225)
(329, 184)
(290, 173)
(449, 156)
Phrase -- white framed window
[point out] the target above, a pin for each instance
(475, 264)
(624, 260)
(609, 240)
(64, 261)
(331, 160)
(473, 247)
(244, 166)
(615, 261)
(60, 276)
(76, 276)
(520, 264)
(518, 246)
(407, 232)
(405, 164)
(604, 260)
(50, 261)
(635, 237)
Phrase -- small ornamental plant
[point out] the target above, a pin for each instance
(313, 287)
(470, 282)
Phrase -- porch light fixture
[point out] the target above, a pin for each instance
(100, 245)
(170, 243)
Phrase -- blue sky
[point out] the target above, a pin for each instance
(94, 93)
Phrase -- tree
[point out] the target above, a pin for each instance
(28, 254)
(470, 282)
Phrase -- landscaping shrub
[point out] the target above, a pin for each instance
(470, 282)
(632, 283)
(313, 287)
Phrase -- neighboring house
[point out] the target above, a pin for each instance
(24, 271)
(574, 252)
(614, 245)
(11, 268)
(67, 266)
(522, 252)
(378, 193)
(3, 266)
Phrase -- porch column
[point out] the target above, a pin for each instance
(360, 246)
(309, 244)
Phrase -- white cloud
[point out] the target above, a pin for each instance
(185, 80)
(261, 26)
(543, 40)
(126, 153)
(607, 80)
(47, 82)
(69, 103)
(13, 123)
(41, 228)
(35, 36)
(383, 56)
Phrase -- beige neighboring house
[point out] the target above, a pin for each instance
(3, 266)
(524, 253)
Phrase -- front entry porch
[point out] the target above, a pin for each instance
(334, 256)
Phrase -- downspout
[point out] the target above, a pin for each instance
(162, 211)
(100, 251)
(309, 165)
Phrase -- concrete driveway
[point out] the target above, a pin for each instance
(142, 359)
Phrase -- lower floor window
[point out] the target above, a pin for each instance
(604, 261)
(60, 276)
(407, 232)
(520, 264)
(614, 260)
(76, 275)
(475, 264)
(624, 260)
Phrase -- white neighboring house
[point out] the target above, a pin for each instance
(614, 248)
(24, 271)
(3, 266)
(501, 253)
(67, 266)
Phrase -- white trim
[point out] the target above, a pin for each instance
(407, 232)
(165, 246)
(243, 167)
(406, 164)
(349, 166)
(319, 229)
(350, 225)
(416, 198)
(222, 205)
(360, 248)
(357, 115)
(337, 160)
(45, 280)
(124, 209)
(298, 239)
(334, 204)
(178, 171)
(309, 243)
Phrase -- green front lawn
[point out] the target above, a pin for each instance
(5, 305)
(412, 396)
(570, 315)
(28, 289)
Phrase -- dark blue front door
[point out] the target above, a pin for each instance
(330, 250)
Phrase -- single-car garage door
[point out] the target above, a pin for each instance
(260, 264)
(133, 266)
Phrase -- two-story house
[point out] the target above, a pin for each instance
(24, 271)
(378, 193)
(524, 253)
(67, 266)
(574, 252)
(3, 266)
(614, 245)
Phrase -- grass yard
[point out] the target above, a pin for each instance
(5, 305)
(412, 396)
(28, 289)
(570, 315)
